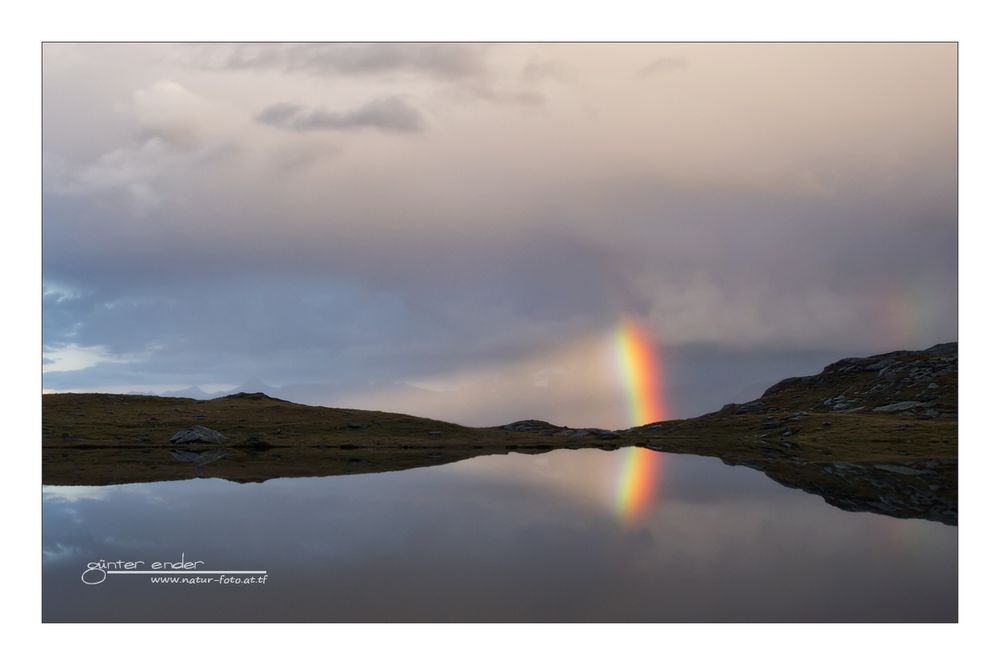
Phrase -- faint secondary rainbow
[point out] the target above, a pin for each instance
(904, 315)
(639, 371)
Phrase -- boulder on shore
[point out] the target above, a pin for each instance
(198, 434)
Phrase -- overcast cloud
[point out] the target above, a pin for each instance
(455, 230)
(388, 114)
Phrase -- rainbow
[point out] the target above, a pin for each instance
(638, 367)
(903, 316)
(639, 373)
(637, 484)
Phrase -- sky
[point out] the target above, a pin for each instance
(460, 230)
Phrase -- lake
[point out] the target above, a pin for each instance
(569, 535)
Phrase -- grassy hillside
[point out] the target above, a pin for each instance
(107, 439)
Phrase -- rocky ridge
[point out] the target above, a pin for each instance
(911, 383)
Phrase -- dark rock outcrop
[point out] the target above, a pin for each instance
(252, 396)
(197, 434)
(535, 426)
(548, 429)
(915, 383)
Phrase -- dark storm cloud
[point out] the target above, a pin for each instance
(463, 69)
(446, 61)
(344, 309)
(326, 292)
(388, 114)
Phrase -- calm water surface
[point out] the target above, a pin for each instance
(501, 538)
